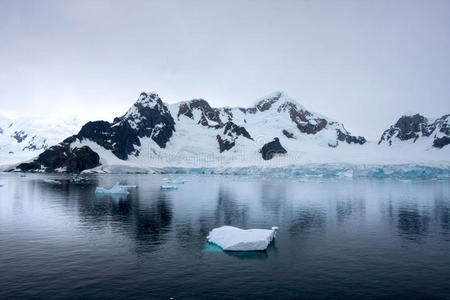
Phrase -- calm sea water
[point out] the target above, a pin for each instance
(337, 239)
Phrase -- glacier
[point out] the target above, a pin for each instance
(307, 171)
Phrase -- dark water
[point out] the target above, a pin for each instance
(337, 239)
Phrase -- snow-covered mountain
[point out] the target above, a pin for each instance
(420, 130)
(25, 138)
(276, 131)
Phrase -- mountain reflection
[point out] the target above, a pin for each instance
(349, 208)
(144, 218)
(411, 222)
(228, 211)
(307, 218)
(442, 213)
(153, 222)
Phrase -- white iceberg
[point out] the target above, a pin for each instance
(129, 186)
(175, 181)
(52, 181)
(116, 189)
(168, 187)
(231, 238)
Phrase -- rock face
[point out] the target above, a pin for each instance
(417, 127)
(210, 117)
(272, 148)
(63, 158)
(231, 132)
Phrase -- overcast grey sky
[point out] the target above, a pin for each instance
(361, 62)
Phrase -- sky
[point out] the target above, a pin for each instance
(364, 63)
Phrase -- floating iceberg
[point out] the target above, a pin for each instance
(78, 179)
(168, 187)
(175, 181)
(116, 189)
(52, 181)
(231, 238)
(129, 186)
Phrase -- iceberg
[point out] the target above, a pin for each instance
(129, 186)
(116, 189)
(52, 181)
(168, 187)
(175, 181)
(231, 238)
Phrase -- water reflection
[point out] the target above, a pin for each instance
(442, 213)
(349, 208)
(306, 219)
(411, 222)
(229, 211)
(153, 222)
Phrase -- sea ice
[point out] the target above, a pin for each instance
(168, 187)
(116, 189)
(231, 238)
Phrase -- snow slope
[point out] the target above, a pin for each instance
(24, 138)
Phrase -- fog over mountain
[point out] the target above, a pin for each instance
(367, 65)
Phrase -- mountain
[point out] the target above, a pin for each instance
(152, 133)
(24, 138)
(418, 129)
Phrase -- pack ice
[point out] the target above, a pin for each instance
(231, 238)
(116, 189)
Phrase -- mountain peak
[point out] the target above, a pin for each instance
(148, 98)
(277, 97)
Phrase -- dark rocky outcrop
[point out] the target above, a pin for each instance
(406, 128)
(230, 134)
(306, 122)
(211, 117)
(62, 157)
(19, 136)
(288, 134)
(350, 139)
(225, 144)
(441, 142)
(232, 129)
(207, 112)
(120, 138)
(417, 126)
(35, 145)
(150, 117)
(272, 148)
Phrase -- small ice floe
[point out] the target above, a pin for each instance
(231, 238)
(77, 179)
(116, 189)
(129, 186)
(52, 181)
(175, 181)
(168, 187)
